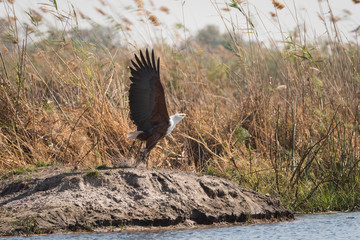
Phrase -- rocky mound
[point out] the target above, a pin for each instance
(55, 200)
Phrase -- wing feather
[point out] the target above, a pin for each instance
(143, 60)
(146, 94)
(135, 65)
(140, 64)
(148, 60)
(153, 61)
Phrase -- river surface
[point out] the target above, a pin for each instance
(307, 226)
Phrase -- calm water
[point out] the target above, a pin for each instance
(317, 226)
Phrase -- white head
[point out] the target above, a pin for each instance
(175, 119)
(178, 117)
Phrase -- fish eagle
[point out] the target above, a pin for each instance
(147, 103)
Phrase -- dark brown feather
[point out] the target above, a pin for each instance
(147, 99)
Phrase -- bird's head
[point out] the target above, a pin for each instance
(178, 117)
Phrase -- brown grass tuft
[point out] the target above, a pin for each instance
(278, 4)
(5, 50)
(45, 9)
(154, 20)
(164, 9)
(139, 4)
(12, 18)
(126, 21)
(356, 1)
(36, 15)
(335, 19)
(273, 14)
(82, 15)
(100, 11)
(347, 12)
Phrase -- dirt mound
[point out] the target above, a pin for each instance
(53, 200)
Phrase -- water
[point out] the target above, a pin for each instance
(308, 226)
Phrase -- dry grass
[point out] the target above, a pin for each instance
(284, 121)
(56, 114)
(278, 4)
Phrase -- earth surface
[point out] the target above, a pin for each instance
(59, 199)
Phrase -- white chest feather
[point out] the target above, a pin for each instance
(171, 127)
(174, 119)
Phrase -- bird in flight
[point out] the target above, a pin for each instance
(147, 103)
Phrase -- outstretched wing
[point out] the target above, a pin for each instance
(146, 94)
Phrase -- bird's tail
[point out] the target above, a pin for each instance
(133, 135)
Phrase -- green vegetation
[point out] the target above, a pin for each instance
(282, 120)
(93, 174)
(18, 171)
(43, 164)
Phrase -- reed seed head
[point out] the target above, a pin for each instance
(164, 9)
(273, 14)
(100, 11)
(278, 4)
(154, 20)
(139, 3)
